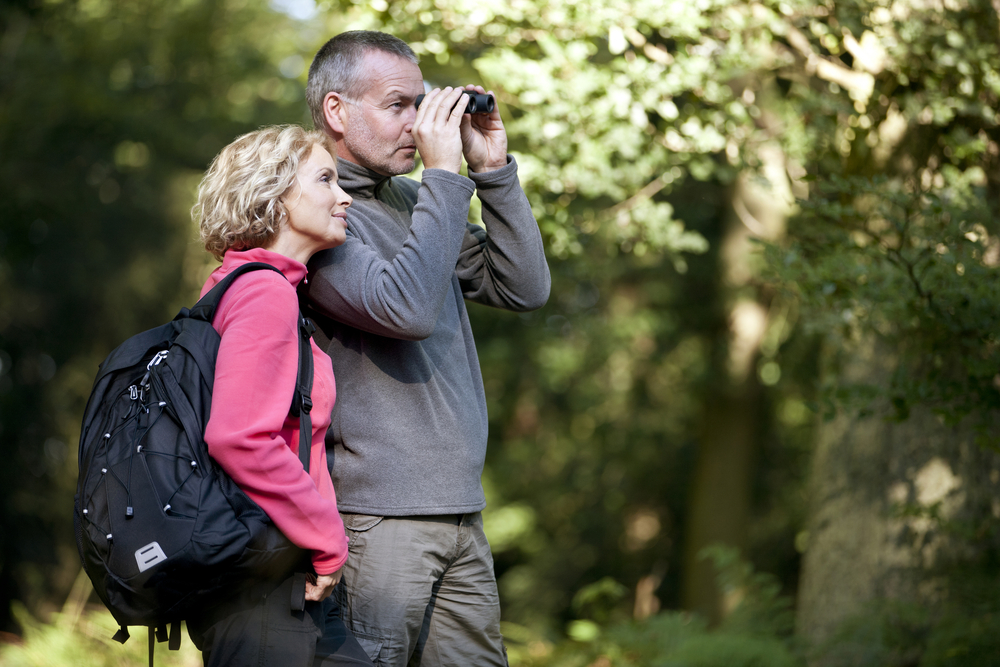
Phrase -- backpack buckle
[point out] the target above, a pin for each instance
(308, 327)
(157, 358)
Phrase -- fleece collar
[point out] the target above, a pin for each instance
(360, 182)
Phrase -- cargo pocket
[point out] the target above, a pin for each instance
(360, 522)
(373, 641)
(372, 646)
(356, 525)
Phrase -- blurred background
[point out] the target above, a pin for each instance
(755, 424)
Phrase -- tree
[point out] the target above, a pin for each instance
(657, 404)
(893, 257)
(626, 121)
(607, 102)
(109, 112)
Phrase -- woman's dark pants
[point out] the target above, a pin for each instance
(259, 628)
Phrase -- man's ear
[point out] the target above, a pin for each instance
(334, 113)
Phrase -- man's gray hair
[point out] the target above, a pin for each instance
(337, 67)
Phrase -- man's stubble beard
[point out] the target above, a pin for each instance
(374, 152)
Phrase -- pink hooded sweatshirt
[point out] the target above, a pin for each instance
(249, 432)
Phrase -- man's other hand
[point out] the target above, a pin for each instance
(484, 140)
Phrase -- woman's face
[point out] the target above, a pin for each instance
(316, 206)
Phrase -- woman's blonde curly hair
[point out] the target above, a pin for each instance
(239, 199)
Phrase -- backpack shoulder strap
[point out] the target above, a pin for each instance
(205, 308)
(302, 400)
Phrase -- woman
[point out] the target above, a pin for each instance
(272, 196)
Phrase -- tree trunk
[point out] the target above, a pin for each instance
(720, 497)
(876, 486)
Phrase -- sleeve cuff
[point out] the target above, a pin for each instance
(324, 566)
(498, 177)
(431, 175)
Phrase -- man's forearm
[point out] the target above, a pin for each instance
(399, 296)
(506, 267)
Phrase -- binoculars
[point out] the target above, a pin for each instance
(478, 102)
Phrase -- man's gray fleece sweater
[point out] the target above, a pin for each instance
(409, 427)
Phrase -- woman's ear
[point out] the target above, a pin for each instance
(281, 210)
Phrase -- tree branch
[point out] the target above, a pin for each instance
(859, 84)
(645, 193)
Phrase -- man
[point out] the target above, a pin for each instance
(408, 438)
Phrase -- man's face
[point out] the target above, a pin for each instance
(377, 127)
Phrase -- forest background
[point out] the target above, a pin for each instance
(756, 422)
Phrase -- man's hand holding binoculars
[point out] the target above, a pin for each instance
(451, 122)
(484, 140)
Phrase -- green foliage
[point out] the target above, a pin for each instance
(637, 126)
(915, 269)
(758, 607)
(598, 600)
(86, 642)
(898, 236)
(665, 640)
(756, 634)
(964, 639)
(598, 103)
(895, 634)
(587, 464)
(966, 627)
(108, 110)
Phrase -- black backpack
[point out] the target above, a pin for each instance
(161, 529)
